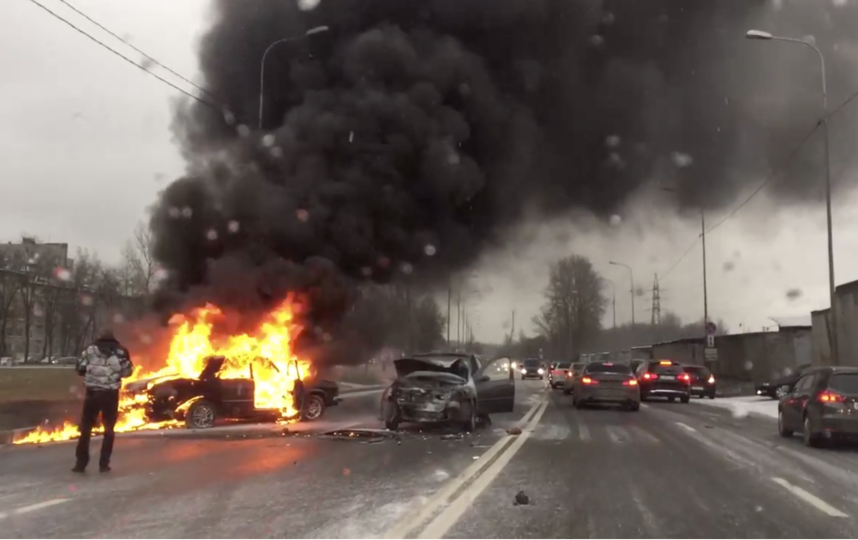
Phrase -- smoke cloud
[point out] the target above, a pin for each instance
(414, 134)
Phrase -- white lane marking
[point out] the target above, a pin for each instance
(810, 498)
(617, 434)
(583, 431)
(644, 435)
(32, 508)
(410, 521)
(686, 427)
(439, 526)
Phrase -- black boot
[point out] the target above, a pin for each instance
(80, 469)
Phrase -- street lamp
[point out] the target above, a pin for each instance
(703, 238)
(759, 34)
(632, 281)
(310, 32)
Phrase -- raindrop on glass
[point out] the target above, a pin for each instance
(243, 131)
(268, 140)
(608, 18)
(351, 136)
(276, 152)
(174, 212)
(429, 250)
(597, 40)
(86, 300)
(302, 215)
(233, 226)
(383, 261)
(749, 365)
(187, 212)
(118, 318)
(616, 220)
(613, 141)
(145, 338)
(366, 271)
(406, 268)
(160, 274)
(211, 234)
(307, 5)
(228, 117)
(62, 274)
(453, 158)
(681, 160)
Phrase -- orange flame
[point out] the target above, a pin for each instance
(265, 354)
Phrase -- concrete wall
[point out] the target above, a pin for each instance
(821, 348)
(748, 357)
(846, 304)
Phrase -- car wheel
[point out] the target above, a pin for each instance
(314, 408)
(810, 439)
(782, 430)
(201, 415)
(566, 392)
(634, 406)
(579, 404)
(469, 425)
(671, 399)
(391, 416)
(781, 391)
(685, 399)
(711, 396)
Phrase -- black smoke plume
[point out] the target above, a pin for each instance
(408, 138)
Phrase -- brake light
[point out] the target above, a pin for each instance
(684, 377)
(650, 376)
(831, 397)
(711, 379)
(588, 380)
(630, 382)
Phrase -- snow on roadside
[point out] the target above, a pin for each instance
(742, 406)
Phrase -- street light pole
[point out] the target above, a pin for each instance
(632, 281)
(705, 288)
(759, 34)
(309, 32)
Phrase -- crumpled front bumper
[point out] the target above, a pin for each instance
(428, 409)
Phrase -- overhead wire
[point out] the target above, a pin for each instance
(130, 61)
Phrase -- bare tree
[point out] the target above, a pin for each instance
(136, 274)
(574, 306)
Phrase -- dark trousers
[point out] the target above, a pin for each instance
(106, 403)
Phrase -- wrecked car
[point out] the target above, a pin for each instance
(200, 402)
(451, 388)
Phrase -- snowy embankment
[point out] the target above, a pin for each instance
(741, 407)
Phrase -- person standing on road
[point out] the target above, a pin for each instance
(102, 365)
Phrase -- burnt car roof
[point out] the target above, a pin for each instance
(212, 367)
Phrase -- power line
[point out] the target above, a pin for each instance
(130, 61)
(153, 60)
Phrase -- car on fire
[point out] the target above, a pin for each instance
(202, 401)
(451, 388)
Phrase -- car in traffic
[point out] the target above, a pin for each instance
(447, 388)
(664, 378)
(532, 368)
(557, 373)
(702, 381)
(572, 374)
(607, 383)
(779, 387)
(823, 406)
(202, 401)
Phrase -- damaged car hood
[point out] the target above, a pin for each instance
(411, 367)
(431, 378)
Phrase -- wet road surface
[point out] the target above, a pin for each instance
(669, 470)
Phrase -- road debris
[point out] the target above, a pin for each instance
(515, 430)
(521, 499)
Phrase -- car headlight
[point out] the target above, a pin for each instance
(540, 371)
(523, 371)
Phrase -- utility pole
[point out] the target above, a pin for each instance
(656, 303)
(512, 330)
(449, 298)
(705, 293)
(459, 318)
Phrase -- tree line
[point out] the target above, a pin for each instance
(570, 320)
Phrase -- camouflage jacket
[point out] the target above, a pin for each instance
(104, 364)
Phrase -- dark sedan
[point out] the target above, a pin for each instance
(781, 386)
(702, 381)
(532, 368)
(822, 406)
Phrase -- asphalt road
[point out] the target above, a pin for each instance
(669, 470)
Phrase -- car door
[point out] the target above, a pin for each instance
(793, 403)
(495, 387)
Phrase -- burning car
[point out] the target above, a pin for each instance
(447, 388)
(201, 401)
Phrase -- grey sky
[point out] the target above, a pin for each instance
(85, 146)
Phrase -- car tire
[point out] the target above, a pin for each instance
(469, 425)
(314, 408)
(711, 396)
(810, 440)
(671, 399)
(782, 430)
(634, 406)
(200, 415)
(566, 391)
(391, 416)
(578, 404)
(685, 399)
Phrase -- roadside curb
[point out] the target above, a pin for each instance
(6, 437)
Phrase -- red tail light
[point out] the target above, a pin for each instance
(588, 380)
(831, 397)
(630, 382)
(650, 376)
(684, 377)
